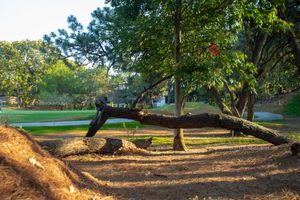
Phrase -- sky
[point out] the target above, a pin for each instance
(32, 19)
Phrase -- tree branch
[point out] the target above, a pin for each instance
(150, 87)
(188, 121)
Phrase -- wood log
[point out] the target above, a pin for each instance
(84, 145)
(187, 122)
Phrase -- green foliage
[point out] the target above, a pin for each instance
(295, 136)
(279, 80)
(193, 107)
(75, 88)
(137, 37)
(22, 64)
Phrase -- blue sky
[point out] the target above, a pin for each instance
(31, 19)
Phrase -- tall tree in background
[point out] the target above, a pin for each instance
(265, 48)
(23, 64)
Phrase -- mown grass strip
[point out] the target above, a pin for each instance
(26, 116)
(64, 129)
(167, 140)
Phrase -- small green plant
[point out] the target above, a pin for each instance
(124, 126)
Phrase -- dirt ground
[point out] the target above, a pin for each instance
(216, 173)
(29, 172)
(204, 172)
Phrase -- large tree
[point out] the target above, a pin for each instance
(172, 38)
(22, 65)
(155, 38)
(264, 45)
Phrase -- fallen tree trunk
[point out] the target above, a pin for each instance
(83, 145)
(186, 121)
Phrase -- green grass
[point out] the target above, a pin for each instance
(293, 106)
(17, 116)
(295, 136)
(64, 129)
(167, 140)
(193, 107)
(274, 123)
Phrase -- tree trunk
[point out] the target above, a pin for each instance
(218, 100)
(296, 50)
(250, 108)
(293, 42)
(187, 121)
(169, 91)
(81, 145)
(256, 55)
(178, 142)
(242, 100)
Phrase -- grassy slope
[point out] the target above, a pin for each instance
(292, 109)
(293, 106)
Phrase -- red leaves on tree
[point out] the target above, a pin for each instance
(214, 49)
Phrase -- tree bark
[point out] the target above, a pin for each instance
(296, 50)
(169, 91)
(178, 142)
(185, 121)
(83, 145)
(256, 55)
(250, 107)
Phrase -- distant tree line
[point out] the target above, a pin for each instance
(37, 75)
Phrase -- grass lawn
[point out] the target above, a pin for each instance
(17, 116)
(61, 129)
(161, 140)
(192, 107)
(274, 123)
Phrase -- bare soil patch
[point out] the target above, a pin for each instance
(216, 172)
(238, 172)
